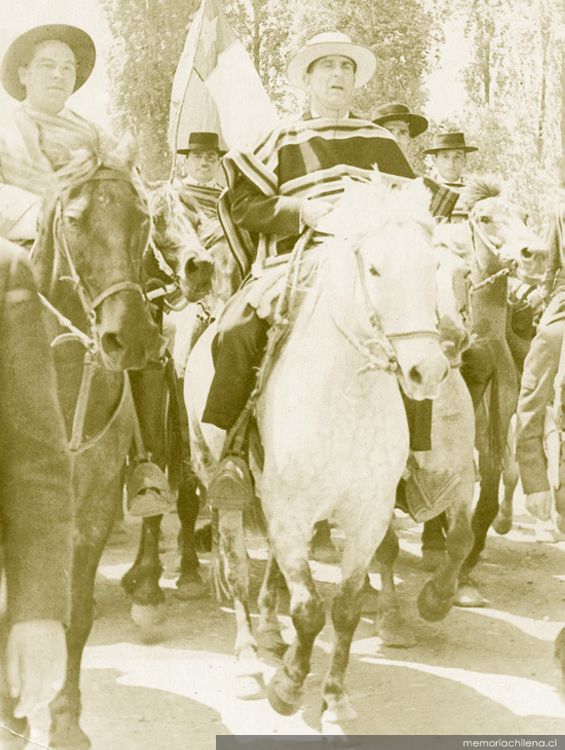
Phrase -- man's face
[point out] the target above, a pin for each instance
(331, 81)
(450, 164)
(49, 77)
(401, 131)
(202, 166)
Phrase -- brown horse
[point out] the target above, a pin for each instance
(88, 260)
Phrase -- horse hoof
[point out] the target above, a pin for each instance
(432, 559)
(468, 595)
(393, 631)
(431, 606)
(283, 695)
(338, 711)
(147, 615)
(66, 733)
(272, 641)
(189, 589)
(369, 601)
(502, 524)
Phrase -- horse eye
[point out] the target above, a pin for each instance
(373, 270)
(485, 219)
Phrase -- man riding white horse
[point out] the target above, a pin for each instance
(41, 69)
(278, 195)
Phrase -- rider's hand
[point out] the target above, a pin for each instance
(313, 209)
(538, 504)
(36, 656)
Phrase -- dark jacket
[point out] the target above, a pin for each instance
(35, 469)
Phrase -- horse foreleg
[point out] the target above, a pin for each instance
(189, 583)
(142, 579)
(361, 537)
(94, 527)
(308, 616)
(236, 570)
(502, 524)
(269, 632)
(437, 596)
(468, 594)
(393, 630)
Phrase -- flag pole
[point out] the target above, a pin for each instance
(198, 18)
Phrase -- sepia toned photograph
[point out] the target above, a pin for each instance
(282, 374)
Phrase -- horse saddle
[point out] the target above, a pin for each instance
(427, 493)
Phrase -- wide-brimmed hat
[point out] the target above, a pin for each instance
(417, 124)
(202, 141)
(332, 43)
(20, 50)
(449, 141)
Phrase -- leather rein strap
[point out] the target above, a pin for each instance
(73, 333)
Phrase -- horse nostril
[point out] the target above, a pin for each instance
(190, 266)
(415, 375)
(111, 344)
(525, 253)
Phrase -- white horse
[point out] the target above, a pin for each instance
(332, 420)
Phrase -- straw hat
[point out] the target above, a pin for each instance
(331, 43)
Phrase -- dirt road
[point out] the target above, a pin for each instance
(484, 671)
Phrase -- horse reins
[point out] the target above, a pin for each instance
(493, 249)
(88, 340)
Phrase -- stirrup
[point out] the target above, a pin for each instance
(428, 493)
(148, 491)
(231, 487)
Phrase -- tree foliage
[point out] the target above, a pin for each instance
(148, 38)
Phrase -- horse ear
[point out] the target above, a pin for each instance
(126, 149)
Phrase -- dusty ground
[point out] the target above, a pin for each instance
(486, 671)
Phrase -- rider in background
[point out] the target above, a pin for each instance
(449, 152)
(540, 368)
(36, 509)
(403, 124)
(41, 69)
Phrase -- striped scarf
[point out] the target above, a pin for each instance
(311, 159)
(205, 197)
(36, 145)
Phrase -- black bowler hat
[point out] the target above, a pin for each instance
(448, 142)
(21, 49)
(417, 124)
(202, 142)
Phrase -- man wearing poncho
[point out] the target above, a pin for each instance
(41, 69)
(285, 187)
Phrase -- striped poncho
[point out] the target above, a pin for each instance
(311, 159)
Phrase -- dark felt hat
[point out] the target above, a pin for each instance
(21, 49)
(449, 141)
(417, 124)
(202, 142)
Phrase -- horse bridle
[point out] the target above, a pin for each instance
(88, 340)
(89, 304)
(510, 264)
(380, 338)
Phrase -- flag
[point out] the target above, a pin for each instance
(216, 87)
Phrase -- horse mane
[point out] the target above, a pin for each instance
(366, 206)
(479, 188)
